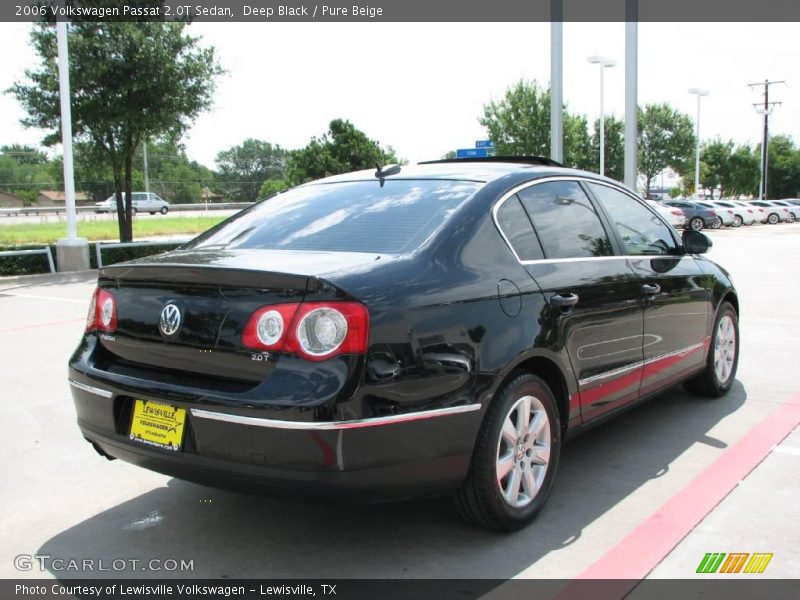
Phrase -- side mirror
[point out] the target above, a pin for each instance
(695, 242)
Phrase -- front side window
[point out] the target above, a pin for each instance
(565, 220)
(641, 231)
(392, 217)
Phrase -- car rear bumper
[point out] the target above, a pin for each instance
(386, 458)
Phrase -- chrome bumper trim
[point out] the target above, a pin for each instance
(333, 425)
(91, 389)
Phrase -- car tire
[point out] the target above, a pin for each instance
(133, 210)
(723, 357)
(773, 218)
(717, 223)
(512, 501)
(696, 224)
(164, 210)
(737, 221)
(791, 218)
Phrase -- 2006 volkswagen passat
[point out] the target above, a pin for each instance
(417, 330)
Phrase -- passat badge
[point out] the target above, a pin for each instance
(170, 319)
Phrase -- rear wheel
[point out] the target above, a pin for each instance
(696, 224)
(737, 221)
(723, 356)
(515, 458)
(773, 218)
(717, 223)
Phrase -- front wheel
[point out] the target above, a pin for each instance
(163, 210)
(723, 356)
(791, 218)
(696, 224)
(515, 458)
(737, 221)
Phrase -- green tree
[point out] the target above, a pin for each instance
(271, 187)
(783, 179)
(25, 171)
(519, 125)
(343, 148)
(130, 82)
(615, 147)
(744, 172)
(715, 165)
(242, 169)
(666, 140)
(24, 155)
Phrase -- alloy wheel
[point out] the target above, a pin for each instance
(724, 349)
(772, 219)
(696, 224)
(523, 451)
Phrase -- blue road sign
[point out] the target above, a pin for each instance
(484, 144)
(472, 153)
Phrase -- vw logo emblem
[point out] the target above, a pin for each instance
(170, 320)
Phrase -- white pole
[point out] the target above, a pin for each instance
(556, 82)
(146, 178)
(66, 128)
(697, 152)
(631, 109)
(602, 122)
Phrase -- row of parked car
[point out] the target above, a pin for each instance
(713, 214)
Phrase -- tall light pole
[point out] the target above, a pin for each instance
(604, 64)
(765, 109)
(699, 93)
(72, 252)
(556, 81)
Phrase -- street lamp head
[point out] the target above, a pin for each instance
(764, 111)
(596, 60)
(609, 63)
(698, 91)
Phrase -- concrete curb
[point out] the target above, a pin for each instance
(45, 278)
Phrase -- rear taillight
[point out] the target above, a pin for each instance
(676, 212)
(713, 213)
(314, 330)
(102, 312)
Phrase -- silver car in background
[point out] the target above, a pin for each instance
(673, 216)
(725, 215)
(794, 211)
(142, 202)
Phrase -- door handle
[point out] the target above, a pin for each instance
(651, 289)
(564, 300)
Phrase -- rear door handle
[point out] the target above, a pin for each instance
(564, 300)
(651, 289)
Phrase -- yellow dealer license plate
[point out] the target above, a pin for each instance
(158, 424)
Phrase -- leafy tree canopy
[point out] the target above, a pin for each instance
(243, 169)
(666, 140)
(129, 82)
(343, 148)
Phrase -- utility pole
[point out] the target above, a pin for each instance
(765, 109)
(146, 178)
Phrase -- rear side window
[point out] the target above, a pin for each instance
(140, 197)
(516, 226)
(359, 216)
(640, 230)
(565, 220)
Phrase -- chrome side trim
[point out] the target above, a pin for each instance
(333, 425)
(91, 389)
(545, 261)
(637, 365)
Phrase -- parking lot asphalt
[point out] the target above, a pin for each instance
(678, 476)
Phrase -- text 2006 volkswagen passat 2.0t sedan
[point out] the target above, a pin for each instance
(418, 330)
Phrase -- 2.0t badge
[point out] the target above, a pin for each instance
(170, 320)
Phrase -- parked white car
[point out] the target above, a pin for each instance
(794, 211)
(742, 215)
(674, 216)
(142, 202)
(772, 213)
(726, 215)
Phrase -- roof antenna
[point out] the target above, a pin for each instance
(382, 173)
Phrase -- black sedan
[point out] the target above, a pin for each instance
(417, 330)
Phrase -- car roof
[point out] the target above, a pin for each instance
(483, 171)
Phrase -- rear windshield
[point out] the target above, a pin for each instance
(360, 216)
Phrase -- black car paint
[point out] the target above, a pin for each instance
(448, 324)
